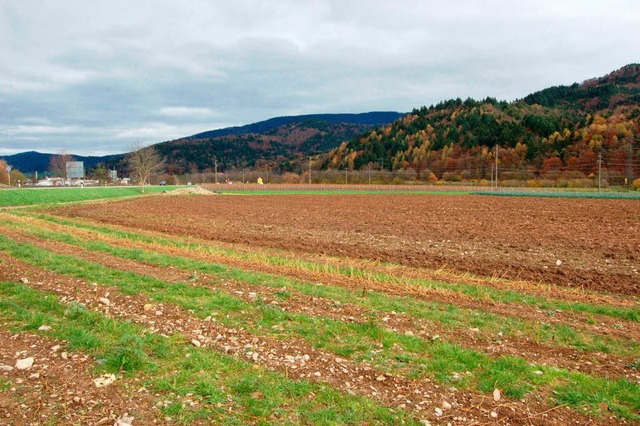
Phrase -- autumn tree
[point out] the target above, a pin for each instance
(17, 177)
(4, 177)
(144, 162)
(58, 163)
(417, 158)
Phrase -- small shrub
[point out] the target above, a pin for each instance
(127, 356)
(636, 184)
(75, 310)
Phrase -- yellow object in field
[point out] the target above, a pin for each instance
(259, 181)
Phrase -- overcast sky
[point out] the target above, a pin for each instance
(90, 77)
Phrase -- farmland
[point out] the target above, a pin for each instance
(322, 309)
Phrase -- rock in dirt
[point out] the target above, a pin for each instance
(6, 368)
(196, 343)
(446, 405)
(439, 411)
(25, 364)
(105, 380)
(104, 301)
(44, 328)
(24, 280)
(124, 420)
(497, 395)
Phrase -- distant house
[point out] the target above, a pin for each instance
(113, 174)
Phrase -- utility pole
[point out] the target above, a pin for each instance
(369, 172)
(629, 167)
(346, 176)
(309, 170)
(215, 167)
(496, 167)
(491, 175)
(599, 171)
(242, 175)
(267, 174)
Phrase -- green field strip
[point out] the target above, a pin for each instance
(474, 291)
(562, 194)
(339, 192)
(430, 359)
(223, 385)
(33, 196)
(448, 315)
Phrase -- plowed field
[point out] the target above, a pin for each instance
(591, 244)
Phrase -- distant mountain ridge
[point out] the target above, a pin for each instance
(561, 132)
(278, 143)
(375, 118)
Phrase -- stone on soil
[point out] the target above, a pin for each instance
(497, 395)
(25, 364)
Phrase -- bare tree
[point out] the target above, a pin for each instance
(58, 163)
(144, 162)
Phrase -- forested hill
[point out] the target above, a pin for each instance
(366, 119)
(279, 143)
(561, 129)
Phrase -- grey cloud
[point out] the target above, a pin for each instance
(90, 77)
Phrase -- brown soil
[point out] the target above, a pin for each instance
(58, 387)
(586, 243)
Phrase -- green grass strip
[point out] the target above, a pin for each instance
(33, 196)
(474, 291)
(268, 191)
(563, 194)
(223, 385)
(438, 360)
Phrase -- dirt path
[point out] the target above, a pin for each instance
(294, 357)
